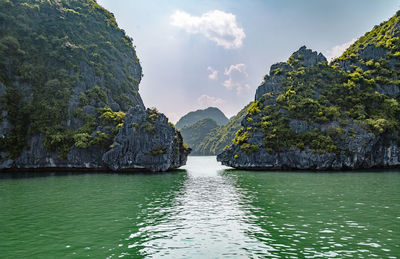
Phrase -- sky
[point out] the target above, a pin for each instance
(201, 53)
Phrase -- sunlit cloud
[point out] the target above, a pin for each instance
(217, 26)
(237, 77)
(210, 101)
(213, 73)
(229, 84)
(242, 89)
(337, 51)
(238, 67)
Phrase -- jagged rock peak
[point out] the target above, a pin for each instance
(146, 141)
(290, 124)
(303, 57)
(308, 57)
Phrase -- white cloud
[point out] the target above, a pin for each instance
(241, 90)
(207, 101)
(337, 51)
(229, 84)
(237, 77)
(213, 73)
(217, 26)
(238, 67)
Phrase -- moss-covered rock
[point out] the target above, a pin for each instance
(68, 75)
(309, 114)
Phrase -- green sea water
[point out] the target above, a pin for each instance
(204, 210)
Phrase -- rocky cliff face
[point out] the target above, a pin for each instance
(273, 84)
(146, 141)
(358, 149)
(66, 97)
(309, 114)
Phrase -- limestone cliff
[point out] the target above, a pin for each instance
(68, 80)
(309, 114)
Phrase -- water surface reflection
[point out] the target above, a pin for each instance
(202, 211)
(308, 214)
(207, 219)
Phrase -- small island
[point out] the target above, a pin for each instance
(311, 114)
(69, 94)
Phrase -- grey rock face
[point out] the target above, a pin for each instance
(280, 65)
(271, 85)
(308, 57)
(133, 149)
(37, 157)
(273, 82)
(58, 107)
(5, 125)
(90, 110)
(299, 126)
(137, 147)
(390, 90)
(360, 149)
(372, 52)
(26, 91)
(347, 65)
(3, 90)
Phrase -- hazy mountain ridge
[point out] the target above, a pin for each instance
(194, 134)
(211, 112)
(197, 125)
(215, 142)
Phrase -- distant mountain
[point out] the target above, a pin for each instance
(216, 140)
(195, 133)
(192, 117)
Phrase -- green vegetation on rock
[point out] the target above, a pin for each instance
(160, 150)
(56, 58)
(337, 108)
(384, 37)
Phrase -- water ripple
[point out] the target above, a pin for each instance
(203, 211)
